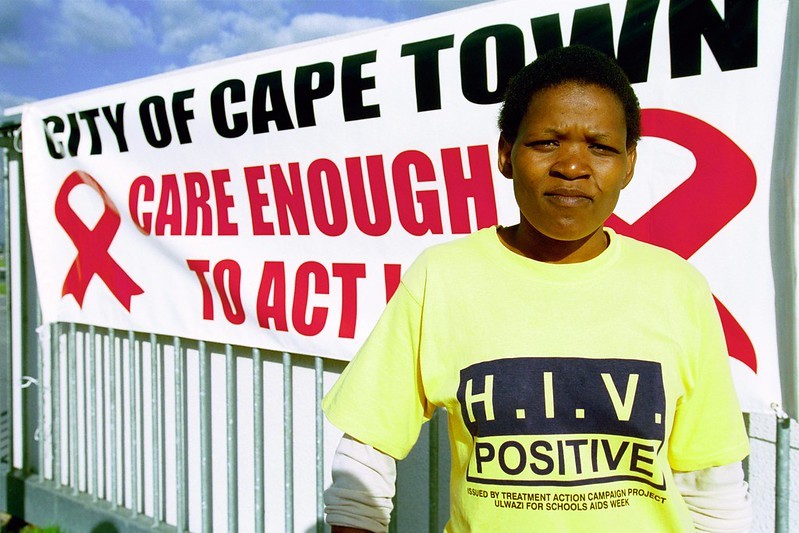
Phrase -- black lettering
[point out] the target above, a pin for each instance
(269, 88)
(613, 461)
(561, 459)
(52, 125)
(182, 115)
(74, 134)
(509, 42)
(218, 113)
(503, 464)
(635, 40)
(594, 454)
(353, 85)
(593, 26)
(427, 79)
(305, 93)
(90, 116)
(733, 40)
(575, 445)
(481, 458)
(546, 33)
(155, 105)
(636, 458)
(549, 464)
(117, 123)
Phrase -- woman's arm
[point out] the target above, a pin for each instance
(717, 497)
(363, 485)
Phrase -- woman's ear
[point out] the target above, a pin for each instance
(504, 149)
(632, 157)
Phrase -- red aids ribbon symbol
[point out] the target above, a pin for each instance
(92, 245)
(722, 184)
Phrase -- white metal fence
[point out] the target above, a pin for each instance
(169, 432)
(183, 432)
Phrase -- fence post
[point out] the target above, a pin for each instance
(782, 500)
(22, 312)
(6, 430)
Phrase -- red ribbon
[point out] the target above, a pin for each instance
(92, 245)
(722, 184)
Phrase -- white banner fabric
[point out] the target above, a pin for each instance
(273, 199)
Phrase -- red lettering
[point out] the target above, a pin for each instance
(272, 288)
(169, 212)
(470, 197)
(258, 200)
(334, 200)
(406, 201)
(311, 278)
(141, 190)
(393, 276)
(197, 195)
(301, 294)
(224, 202)
(480, 188)
(349, 274)
(201, 268)
(378, 195)
(289, 199)
(230, 292)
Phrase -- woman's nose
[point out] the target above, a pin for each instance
(571, 164)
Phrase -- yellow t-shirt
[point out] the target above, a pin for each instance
(572, 391)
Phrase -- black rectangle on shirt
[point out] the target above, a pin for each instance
(564, 395)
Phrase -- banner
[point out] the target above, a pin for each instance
(274, 199)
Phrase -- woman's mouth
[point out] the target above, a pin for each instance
(568, 197)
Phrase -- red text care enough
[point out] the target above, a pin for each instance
(368, 194)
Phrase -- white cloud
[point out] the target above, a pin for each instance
(446, 5)
(178, 34)
(422, 8)
(101, 26)
(316, 25)
(10, 100)
(248, 34)
(191, 25)
(14, 53)
(202, 30)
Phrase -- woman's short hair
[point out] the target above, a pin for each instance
(576, 63)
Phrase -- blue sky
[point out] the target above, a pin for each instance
(55, 47)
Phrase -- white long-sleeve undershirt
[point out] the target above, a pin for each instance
(718, 498)
(364, 481)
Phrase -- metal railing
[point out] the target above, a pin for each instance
(117, 429)
(118, 425)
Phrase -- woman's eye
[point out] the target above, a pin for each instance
(546, 143)
(604, 149)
